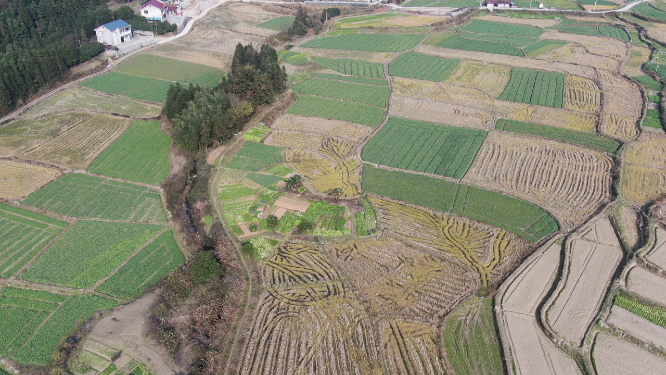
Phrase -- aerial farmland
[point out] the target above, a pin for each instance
(481, 192)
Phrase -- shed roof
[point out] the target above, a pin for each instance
(117, 24)
(154, 3)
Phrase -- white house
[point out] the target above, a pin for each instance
(114, 33)
(154, 10)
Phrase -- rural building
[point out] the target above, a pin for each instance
(114, 33)
(499, 4)
(154, 10)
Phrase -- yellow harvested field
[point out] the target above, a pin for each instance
(410, 346)
(77, 147)
(521, 21)
(488, 251)
(639, 56)
(305, 162)
(622, 127)
(378, 57)
(577, 68)
(401, 280)
(307, 322)
(597, 45)
(490, 78)
(657, 34)
(413, 21)
(292, 203)
(341, 129)
(18, 180)
(644, 173)
(581, 94)
(214, 59)
(280, 138)
(569, 181)
(622, 106)
(217, 40)
(556, 117)
(439, 113)
(576, 54)
(345, 175)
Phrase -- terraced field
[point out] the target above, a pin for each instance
(171, 70)
(366, 42)
(18, 180)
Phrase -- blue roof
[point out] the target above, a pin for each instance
(117, 24)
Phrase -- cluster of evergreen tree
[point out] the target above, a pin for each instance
(304, 22)
(41, 39)
(202, 116)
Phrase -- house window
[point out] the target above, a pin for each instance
(145, 11)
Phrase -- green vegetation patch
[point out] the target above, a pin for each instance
(352, 67)
(367, 42)
(654, 98)
(649, 83)
(442, 3)
(424, 147)
(282, 23)
(466, 44)
(88, 253)
(163, 68)
(142, 88)
(145, 268)
(592, 140)
(543, 46)
(338, 110)
(652, 119)
(366, 221)
(470, 339)
(608, 31)
(420, 66)
(234, 192)
(372, 95)
(255, 156)
(257, 133)
(367, 81)
(535, 87)
(279, 170)
(489, 27)
(557, 4)
(93, 197)
(293, 58)
(515, 215)
(24, 234)
(649, 11)
(653, 314)
(141, 154)
(264, 179)
(365, 21)
(517, 41)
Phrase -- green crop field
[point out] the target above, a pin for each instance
(353, 92)
(163, 68)
(535, 87)
(141, 154)
(512, 214)
(364, 21)
(367, 42)
(649, 11)
(470, 339)
(254, 156)
(424, 147)
(652, 119)
(517, 41)
(257, 133)
(442, 3)
(142, 88)
(264, 179)
(653, 314)
(654, 98)
(543, 46)
(465, 44)
(609, 31)
(488, 27)
(149, 265)
(337, 109)
(293, 58)
(660, 69)
(88, 252)
(592, 140)
(282, 23)
(352, 67)
(557, 4)
(367, 81)
(31, 335)
(23, 235)
(91, 197)
(420, 66)
(649, 83)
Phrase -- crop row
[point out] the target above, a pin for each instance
(149, 265)
(351, 67)
(465, 44)
(367, 42)
(653, 314)
(88, 252)
(140, 154)
(592, 140)
(338, 110)
(420, 66)
(424, 147)
(515, 215)
(535, 87)
(87, 196)
(372, 95)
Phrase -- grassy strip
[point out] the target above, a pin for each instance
(592, 140)
(282, 23)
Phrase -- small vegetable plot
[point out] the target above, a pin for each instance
(367, 42)
(424, 147)
(352, 67)
(372, 95)
(420, 66)
(535, 87)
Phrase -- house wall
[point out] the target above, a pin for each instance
(152, 13)
(114, 38)
(104, 36)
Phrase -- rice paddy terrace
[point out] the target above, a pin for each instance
(475, 197)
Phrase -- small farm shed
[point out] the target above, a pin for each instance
(154, 10)
(114, 33)
(499, 4)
